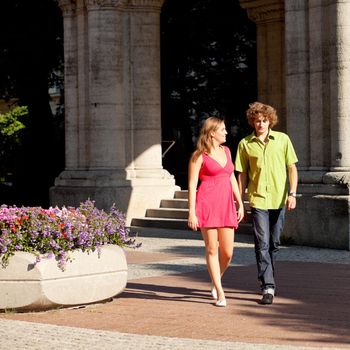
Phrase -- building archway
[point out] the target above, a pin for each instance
(112, 103)
(208, 66)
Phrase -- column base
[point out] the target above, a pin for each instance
(322, 216)
(132, 191)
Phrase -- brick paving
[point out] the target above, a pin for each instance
(167, 304)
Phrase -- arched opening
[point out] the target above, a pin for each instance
(208, 66)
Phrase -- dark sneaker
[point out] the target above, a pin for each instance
(267, 299)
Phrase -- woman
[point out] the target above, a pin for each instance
(212, 207)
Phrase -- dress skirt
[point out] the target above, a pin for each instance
(215, 205)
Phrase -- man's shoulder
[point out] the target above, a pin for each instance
(279, 135)
(247, 138)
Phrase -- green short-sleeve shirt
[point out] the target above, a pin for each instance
(266, 166)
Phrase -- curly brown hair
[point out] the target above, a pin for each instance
(257, 108)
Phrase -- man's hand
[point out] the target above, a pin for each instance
(291, 203)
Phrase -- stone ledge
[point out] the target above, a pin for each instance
(26, 286)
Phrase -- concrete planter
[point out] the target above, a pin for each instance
(25, 286)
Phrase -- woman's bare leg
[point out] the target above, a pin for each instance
(210, 237)
(226, 242)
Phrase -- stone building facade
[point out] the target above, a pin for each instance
(112, 97)
(112, 106)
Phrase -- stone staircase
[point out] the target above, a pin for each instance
(173, 214)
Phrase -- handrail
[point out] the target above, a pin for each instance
(172, 143)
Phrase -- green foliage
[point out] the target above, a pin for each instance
(11, 127)
(30, 48)
(31, 62)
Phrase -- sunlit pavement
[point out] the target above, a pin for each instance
(167, 304)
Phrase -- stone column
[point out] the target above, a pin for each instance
(144, 124)
(317, 61)
(297, 79)
(316, 73)
(269, 18)
(339, 12)
(317, 90)
(319, 110)
(112, 105)
(68, 8)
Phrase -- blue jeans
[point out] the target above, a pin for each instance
(267, 226)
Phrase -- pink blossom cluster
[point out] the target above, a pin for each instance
(57, 231)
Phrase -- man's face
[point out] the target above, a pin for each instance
(261, 124)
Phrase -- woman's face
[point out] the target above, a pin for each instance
(261, 125)
(219, 136)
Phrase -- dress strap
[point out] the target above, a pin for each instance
(228, 152)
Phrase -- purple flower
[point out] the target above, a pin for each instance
(56, 232)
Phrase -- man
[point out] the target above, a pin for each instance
(263, 160)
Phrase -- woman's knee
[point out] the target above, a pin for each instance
(226, 254)
(212, 249)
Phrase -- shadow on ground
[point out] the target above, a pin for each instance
(309, 307)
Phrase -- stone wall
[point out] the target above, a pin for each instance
(112, 96)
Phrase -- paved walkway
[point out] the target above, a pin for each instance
(167, 304)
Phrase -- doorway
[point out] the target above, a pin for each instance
(208, 67)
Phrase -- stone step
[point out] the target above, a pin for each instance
(176, 213)
(176, 224)
(174, 203)
(156, 232)
(181, 194)
(184, 194)
(180, 224)
(183, 203)
(171, 213)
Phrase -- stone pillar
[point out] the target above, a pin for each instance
(112, 106)
(317, 95)
(269, 18)
(70, 81)
(298, 100)
(145, 155)
(317, 91)
(317, 76)
(339, 12)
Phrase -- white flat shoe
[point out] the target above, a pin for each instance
(221, 303)
(214, 293)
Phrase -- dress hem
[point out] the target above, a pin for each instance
(226, 226)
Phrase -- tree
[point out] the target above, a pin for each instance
(31, 51)
(208, 67)
(11, 128)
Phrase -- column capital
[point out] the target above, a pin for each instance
(262, 11)
(144, 5)
(104, 4)
(67, 7)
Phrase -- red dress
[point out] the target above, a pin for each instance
(215, 206)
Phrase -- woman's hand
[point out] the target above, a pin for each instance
(240, 213)
(194, 166)
(192, 222)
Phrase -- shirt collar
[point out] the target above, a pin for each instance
(271, 136)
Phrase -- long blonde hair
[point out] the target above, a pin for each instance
(205, 142)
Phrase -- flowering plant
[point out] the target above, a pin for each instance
(56, 232)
